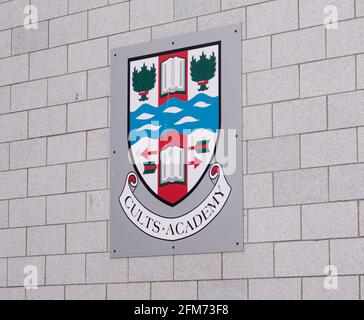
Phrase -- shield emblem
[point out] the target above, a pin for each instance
(174, 118)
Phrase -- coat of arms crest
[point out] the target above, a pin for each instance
(174, 118)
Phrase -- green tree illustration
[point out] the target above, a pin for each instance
(203, 70)
(144, 81)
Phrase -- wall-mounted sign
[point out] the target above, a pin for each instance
(176, 163)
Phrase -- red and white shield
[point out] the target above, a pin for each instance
(174, 118)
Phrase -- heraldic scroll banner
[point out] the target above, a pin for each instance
(176, 152)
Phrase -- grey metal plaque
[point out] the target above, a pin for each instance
(176, 152)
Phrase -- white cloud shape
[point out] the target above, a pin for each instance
(150, 127)
(172, 110)
(201, 104)
(186, 120)
(145, 116)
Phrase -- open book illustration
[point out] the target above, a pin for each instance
(172, 164)
(173, 76)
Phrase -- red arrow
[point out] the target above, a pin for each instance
(146, 153)
(196, 162)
